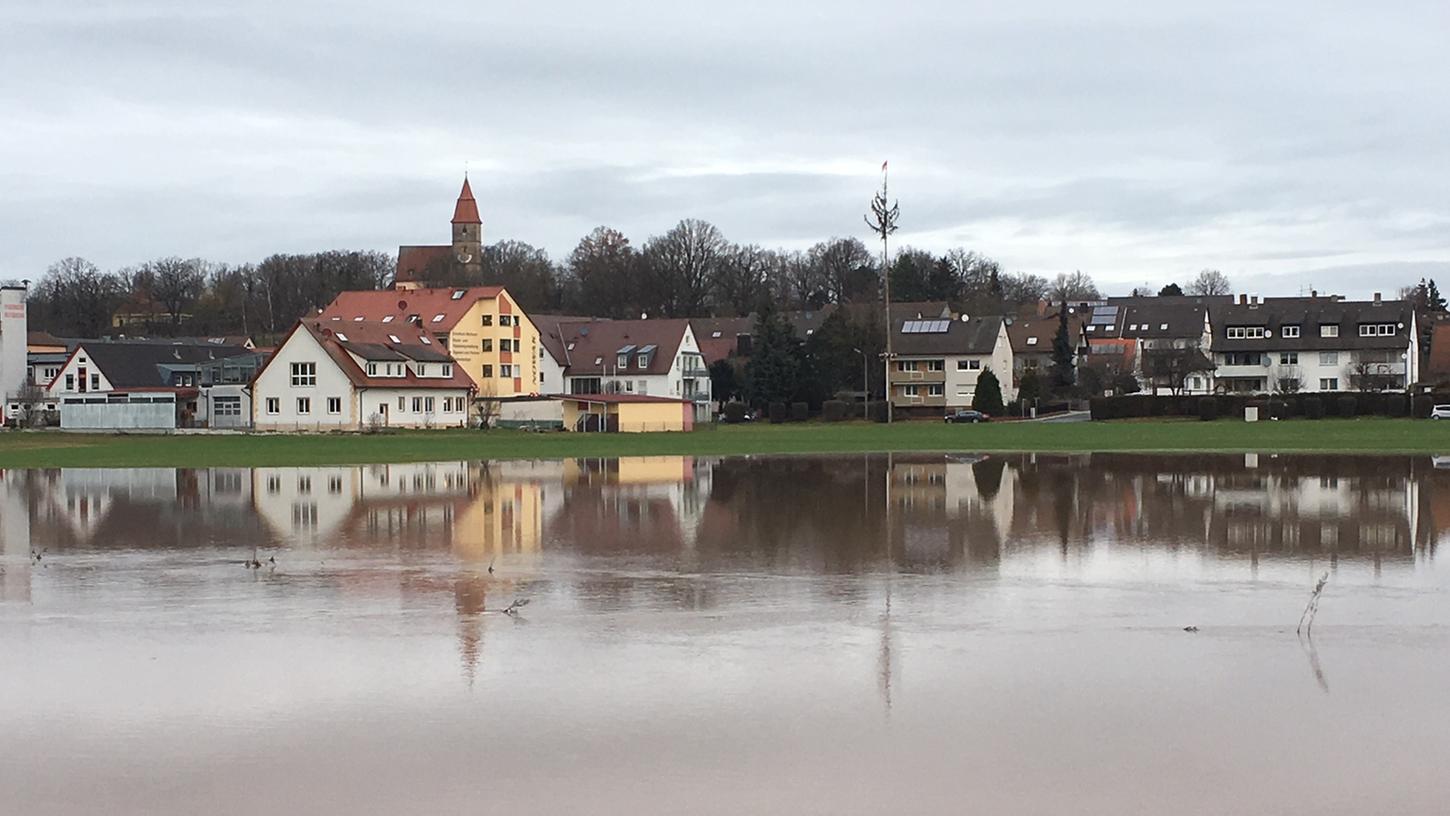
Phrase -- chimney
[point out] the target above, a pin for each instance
(1243, 300)
(1377, 299)
(1314, 293)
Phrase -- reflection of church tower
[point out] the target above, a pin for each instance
(467, 237)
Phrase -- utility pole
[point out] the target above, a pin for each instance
(882, 221)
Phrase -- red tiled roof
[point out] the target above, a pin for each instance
(714, 348)
(427, 304)
(466, 210)
(551, 334)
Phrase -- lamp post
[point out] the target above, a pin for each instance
(865, 384)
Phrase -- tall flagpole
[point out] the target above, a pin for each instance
(882, 221)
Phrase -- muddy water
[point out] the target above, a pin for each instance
(918, 634)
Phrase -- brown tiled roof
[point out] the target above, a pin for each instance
(1309, 313)
(601, 340)
(551, 336)
(617, 398)
(414, 262)
(466, 210)
(365, 337)
(975, 335)
(714, 348)
(1021, 330)
(427, 304)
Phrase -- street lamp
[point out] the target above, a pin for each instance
(865, 384)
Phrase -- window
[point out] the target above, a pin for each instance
(1032, 341)
(372, 369)
(274, 484)
(457, 294)
(304, 485)
(1289, 332)
(1245, 332)
(95, 382)
(910, 390)
(394, 338)
(934, 390)
(1328, 330)
(486, 344)
(342, 338)
(417, 405)
(304, 405)
(438, 318)
(974, 365)
(274, 405)
(487, 371)
(227, 406)
(334, 484)
(505, 320)
(935, 365)
(506, 370)
(642, 361)
(70, 382)
(1376, 330)
(1289, 358)
(402, 404)
(425, 340)
(1163, 327)
(304, 375)
(422, 369)
(428, 404)
(447, 404)
(1091, 328)
(516, 345)
(447, 370)
(1243, 358)
(1328, 358)
(487, 320)
(905, 365)
(1329, 384)
(334, 405)
(715, 335)
(621, 361)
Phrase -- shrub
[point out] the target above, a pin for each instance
(988, 396)
(734, 412)
(1208, 409)
(777, 412)
(1348, 406)
(1314, 407)
(800, 411)
(877, 410)
(834, 410)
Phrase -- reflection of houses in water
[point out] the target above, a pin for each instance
(633, 504)
(951, 507)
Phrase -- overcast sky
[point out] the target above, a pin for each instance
(1289, 144)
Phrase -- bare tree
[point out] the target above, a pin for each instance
(1075, 288)
(175, 284)
(79, 299)
(741, 280)
(1022, 289)
(847, 267)
(1171, 367)
(681, 267)
(1210, 282)
(525, 270)
(602, 275)
(802, 284)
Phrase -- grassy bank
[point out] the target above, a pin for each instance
(52, 449)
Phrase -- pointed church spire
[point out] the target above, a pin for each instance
(466, 210)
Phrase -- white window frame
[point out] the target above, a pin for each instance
(304, 406)
(1328, 329)
(1328, 358)
(334, 401)
(1289, 332)
(274, 406)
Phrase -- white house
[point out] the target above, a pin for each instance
(357, 376)
(939, 360)
(657, 358)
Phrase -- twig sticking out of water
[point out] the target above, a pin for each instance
(1306, 620)
(513, 608)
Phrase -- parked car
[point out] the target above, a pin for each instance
(968, 415)
(1440, 412)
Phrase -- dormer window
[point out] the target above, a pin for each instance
(447, 369)
(622, 361)
(642, 361)
(422, 369)
(372, 369)
(1289, 332)
(1328, 330)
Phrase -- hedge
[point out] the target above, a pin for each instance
(777, 412)
(834, 410)
(800, 411)
(1312, 405)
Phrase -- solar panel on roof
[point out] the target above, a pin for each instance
(648, 349)
(625, 349)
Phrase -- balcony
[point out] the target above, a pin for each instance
(918, 376)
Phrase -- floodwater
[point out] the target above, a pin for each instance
(753, 635)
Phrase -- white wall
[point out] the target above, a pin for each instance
(551, 373)
(79, 361)
(275, 382)
(12, 340)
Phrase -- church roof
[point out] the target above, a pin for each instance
(466, 210)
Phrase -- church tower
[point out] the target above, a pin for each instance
(467, 235)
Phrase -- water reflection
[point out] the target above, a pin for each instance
(732, 625)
